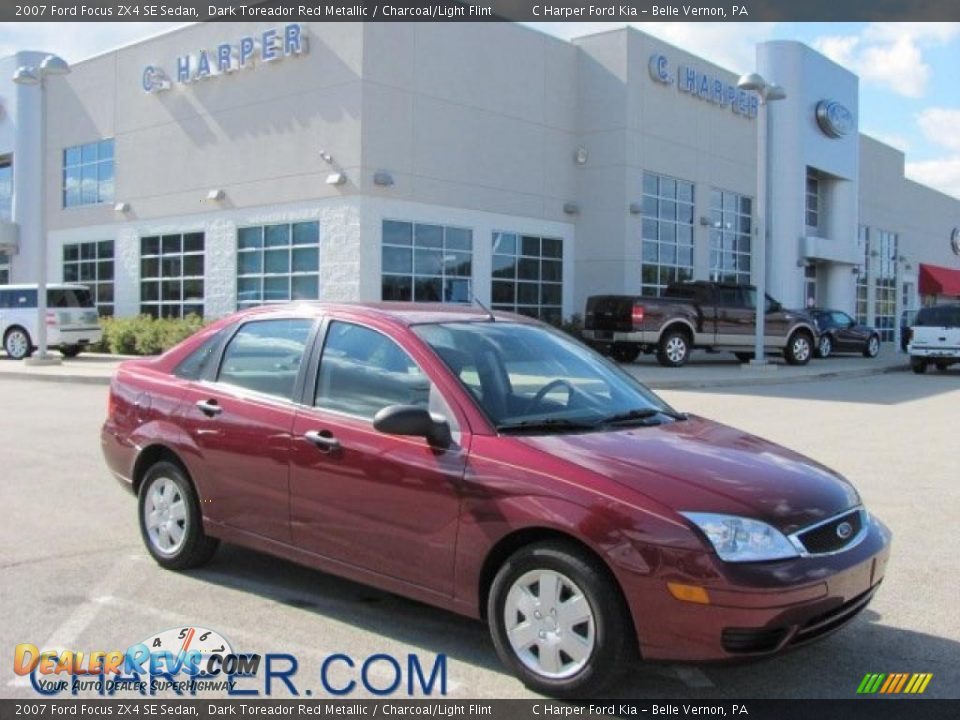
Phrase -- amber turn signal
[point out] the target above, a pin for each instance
(689, 593)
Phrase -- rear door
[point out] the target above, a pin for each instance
(238, 426)
(384, 503)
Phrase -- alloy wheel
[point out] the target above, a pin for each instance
(873, 346)
(549, 624)
(676, 349)
(801, 349)
(17, 344)
(165, 516)
(826, 347)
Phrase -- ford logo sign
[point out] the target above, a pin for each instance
(154, 80)
(844, 530)
(834, 119)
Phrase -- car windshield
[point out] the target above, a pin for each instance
(531, 379)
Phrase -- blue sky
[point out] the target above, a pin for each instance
(909, 86)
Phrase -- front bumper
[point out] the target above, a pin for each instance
(755, 609)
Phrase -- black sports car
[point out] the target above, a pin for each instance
(841, 333)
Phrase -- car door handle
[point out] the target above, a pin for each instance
(209, 408)
(323, 440)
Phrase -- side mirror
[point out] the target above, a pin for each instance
(415, 421)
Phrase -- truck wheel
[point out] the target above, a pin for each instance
(625, 353)
(918, 366)
(674, 349)
(744, 357)
(799, 348)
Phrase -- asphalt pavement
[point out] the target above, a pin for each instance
(74, 574)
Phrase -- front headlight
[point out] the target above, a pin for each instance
(738, 539)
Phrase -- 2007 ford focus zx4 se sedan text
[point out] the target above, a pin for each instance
(490, 465)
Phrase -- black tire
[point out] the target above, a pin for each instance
(799, 348)
(614, 642)
(673, 349)
(196, 547)
(918, 366)
(625, 353)
(942, 366)
(824, 346)
(872, 348)
(70, 351)
(17, 343)
(743, 357)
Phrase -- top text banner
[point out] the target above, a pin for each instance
(482, 11)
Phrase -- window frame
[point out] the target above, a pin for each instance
(727, 243)
(665, 271)
(540, 308)
(95, 164)
(160, 278)
(95, 283)
(262, 275)
(413, 276)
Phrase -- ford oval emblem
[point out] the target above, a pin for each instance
(955, 241)
(844, 530)
(834, 119)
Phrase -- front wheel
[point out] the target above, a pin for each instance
(799, 349)
(918, 366)
(825, 346)
(674, 349)
(17, 343)
(69, 351)
(558, 621)
(872, 348)
(170, 521)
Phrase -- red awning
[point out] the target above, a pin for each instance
(935, 280)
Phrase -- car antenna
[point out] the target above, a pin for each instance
(485, 309)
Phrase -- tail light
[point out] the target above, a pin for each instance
(111, 405)
(51, 317)
(636, 315)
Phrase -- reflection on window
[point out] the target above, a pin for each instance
(885, 292)
(171, 275)
(264, 356)
(363, 371)
(91, 264)
(6, 188)
(277, 263)
(528, 275)
(88, 174)
(667, 232)
(426, 263)
(730, 236)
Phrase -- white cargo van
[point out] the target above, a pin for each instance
(72, 321)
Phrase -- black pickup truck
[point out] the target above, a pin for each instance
(689, 315)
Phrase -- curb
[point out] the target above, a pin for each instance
(75, 379)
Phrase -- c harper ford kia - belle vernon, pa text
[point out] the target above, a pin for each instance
(490, 465)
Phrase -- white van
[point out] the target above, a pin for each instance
(72, 320)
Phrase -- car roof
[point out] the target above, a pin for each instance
(403, 313)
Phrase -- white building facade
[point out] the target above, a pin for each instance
(225, 165)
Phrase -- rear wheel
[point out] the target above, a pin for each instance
(918, 366)
(558, 621)
(69, 351)
(170, 520)
(799, 348)
(17, 343)
(825, 346)
(942, 366)
(674, 349)
(625, 353)
(744, 357)
(872, 348)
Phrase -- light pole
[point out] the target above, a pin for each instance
(768, 92)
(30, 75)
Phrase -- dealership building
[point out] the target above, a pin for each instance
(224, 165)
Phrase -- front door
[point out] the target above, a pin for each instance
(384, 503)
(239, 427)
(735, 317)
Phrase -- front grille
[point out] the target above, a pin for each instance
(825, 538)
(752, 640)
(833, 619)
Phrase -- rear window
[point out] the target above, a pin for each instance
(69, 298)
(939, 316)
(681, 292)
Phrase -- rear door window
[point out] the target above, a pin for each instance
(264, 356)
(69, 298)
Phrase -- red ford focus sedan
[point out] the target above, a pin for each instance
(492, 466)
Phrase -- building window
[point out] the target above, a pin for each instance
(91, 264)
(667, 232)
(88, 174)
(6, 188)
(731, 227)
(813, 199)
(863, 274)
(426, 263)
(528, 275)
(810, 286)
(171, 275)
(885, 290)
(277, 263)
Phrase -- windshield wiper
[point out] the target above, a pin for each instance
(545, 424)
(638, 415)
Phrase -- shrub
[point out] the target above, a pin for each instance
(144, 335)
(573, 326)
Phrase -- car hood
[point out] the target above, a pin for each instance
(697, 465)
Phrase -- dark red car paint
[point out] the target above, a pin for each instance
(402, 515)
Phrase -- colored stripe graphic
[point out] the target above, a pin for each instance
(894, 683)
